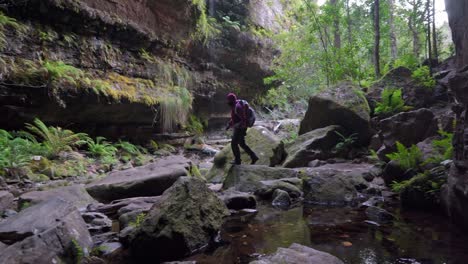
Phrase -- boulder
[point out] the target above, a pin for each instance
(336, 184)
(379, 215)
(49, 232)
(97, 223)
(6, 201)
(394, 172)
(186, 218)
(268, 147)
(238, 200)
(248, 178)
(149, 180)
(408, 128)
(293, 186)
(119, 207)
(315, 144)
(298, 254)
(281, 199)
(344, 105)
(76, 195)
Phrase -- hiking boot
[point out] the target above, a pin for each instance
(235, 162)
(254, 160)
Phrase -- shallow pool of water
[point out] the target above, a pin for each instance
(415, 237)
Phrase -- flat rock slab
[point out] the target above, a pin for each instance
(119, 207)
(44, 233)
(298, 254)
(76, 195)
(247, 178)
(149, 180)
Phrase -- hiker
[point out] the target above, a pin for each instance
(242, 117)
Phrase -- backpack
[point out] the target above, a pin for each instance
(250, 113)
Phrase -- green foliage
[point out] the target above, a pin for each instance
(58, 70)
(422, 75)
(56, 139)
(195, 125)
(77, 251)
(47, 36)
(392, 102)
(277, 98)
(428, 183)
(128, 148)
(443, 148)
(345, 143)
(195, 172)
(408, 61)
(206, 27)
(144, 54)
(101, 148)
(138, 220)
(408, 158)
(6, 21)
(174, 108)
(227, 22)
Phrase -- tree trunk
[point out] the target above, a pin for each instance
(429, 45)
(336, 25)
(413, 26)
(393, 38)
(348, 18)
(377, 38)
(434, 33)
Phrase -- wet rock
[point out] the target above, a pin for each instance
(6, 201)
(188, 216)
(9, 213)
(315, 163)
(374, 201)
(343, 105)
(379, 215)
(281, 199)
(394, 172)
(315, 144)
(408, 128)
(268, 147)
(238, 200)
(293, 186)
(298, 254)
(119, 207)
(149, 180)
(97, 223)
(109, 248)
(44, 233)
(336, 184)
(248, 178)
(76, 195)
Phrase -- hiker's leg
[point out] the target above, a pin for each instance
(247, 149)
(235, 146)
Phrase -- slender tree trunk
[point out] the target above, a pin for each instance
(412, 24)
(429, 45)
(348, 18)
(393, 38)
(336, 25)
(434, 33)
(377, 38)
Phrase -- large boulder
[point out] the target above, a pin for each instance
(316, 144)
(344, 105)
(76, 195)
(455, 196)
(337, 184)
(298, 254)
(249, 178)
(268, 147)
(408, 128)
(50, 232)
(186, 218)
(149, 180)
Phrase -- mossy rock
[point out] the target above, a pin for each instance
(344, 105)
(268, 147)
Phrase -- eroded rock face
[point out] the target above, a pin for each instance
(44, 233)
(268, 147)
(344, 105)
(149, 180)
(298, 254)
(185, 220)
(109, 37)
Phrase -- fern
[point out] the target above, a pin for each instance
(56, 70)
(443, 148)
(138, 220)
(392, 102)
(408, 158)
(101, 148)
(422, 75)
(345, 142)
(56, 139)
(128, 148)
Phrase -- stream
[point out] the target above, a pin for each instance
(415, 237)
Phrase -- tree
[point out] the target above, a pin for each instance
(434, 33)
(377, 38)
(336, 24)
(393, 38)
